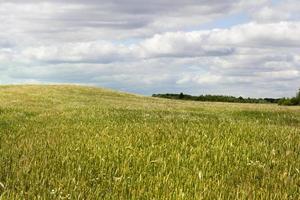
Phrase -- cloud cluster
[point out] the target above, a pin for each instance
(153, 46)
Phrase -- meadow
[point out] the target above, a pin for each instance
(73, 142)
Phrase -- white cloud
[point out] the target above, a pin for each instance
(285, 74)
(74, 20)
(98, 51)
(220, 42)
(281, 11)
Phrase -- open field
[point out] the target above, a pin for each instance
(71, 142)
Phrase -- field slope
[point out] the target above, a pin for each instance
(72, 142)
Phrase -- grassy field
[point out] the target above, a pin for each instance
(71, 142)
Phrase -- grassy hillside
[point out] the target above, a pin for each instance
(71, 142)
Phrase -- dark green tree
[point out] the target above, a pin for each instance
(181, 95)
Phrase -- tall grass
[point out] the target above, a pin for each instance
(70, 142)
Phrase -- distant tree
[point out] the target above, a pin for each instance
(181, 95)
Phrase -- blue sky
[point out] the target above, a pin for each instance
(232, 47)
(227, 21)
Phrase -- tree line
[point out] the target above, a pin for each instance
(231, 99)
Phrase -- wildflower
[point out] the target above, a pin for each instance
(53, 191)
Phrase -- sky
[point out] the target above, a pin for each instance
(229, 47)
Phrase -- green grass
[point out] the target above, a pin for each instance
(71, 142)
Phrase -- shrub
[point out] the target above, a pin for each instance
(285, 102)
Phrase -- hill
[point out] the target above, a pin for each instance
(72, 142)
